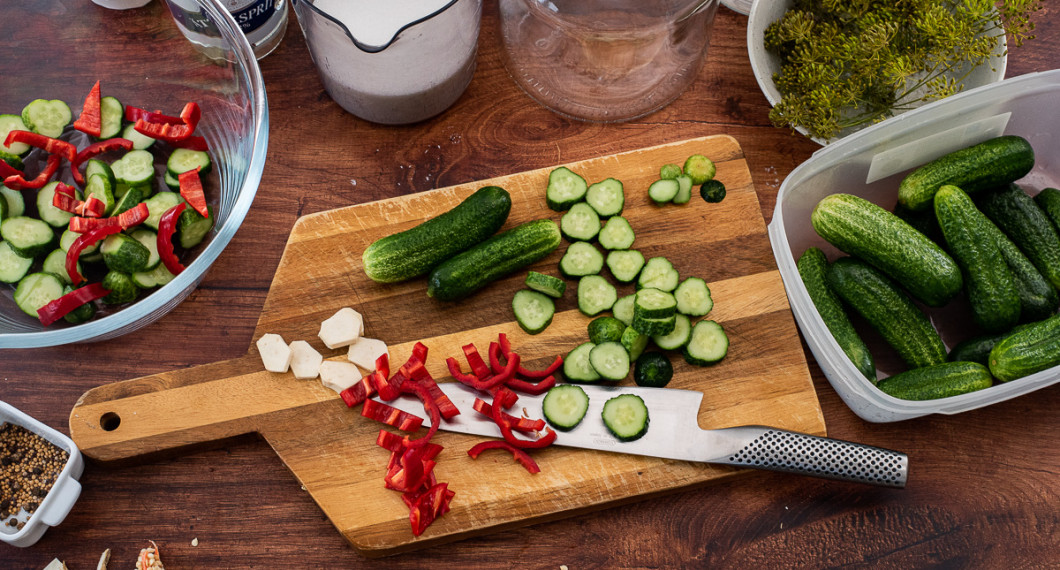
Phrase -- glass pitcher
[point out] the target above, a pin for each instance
(392, 63)
(605, 60)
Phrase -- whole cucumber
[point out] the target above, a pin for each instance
(1049, 201)
(813, 268)
(863, 229)
(416, 251)
(1016, 214)
(1038, 297)
(938, 381)
(989, 283)
(466, 272)
(888, 310)
(1031, 349)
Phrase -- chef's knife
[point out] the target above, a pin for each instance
(674, 433)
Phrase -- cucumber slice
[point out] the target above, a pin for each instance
(712, 191)
(663, 191)
(123, 253)
(576, 366)
(182, 160)
(133, 195)
(533, 310)
(626, 417)
(654, 327)
(13, 267)
(16, 203)
(157, 205)
(625, 264)
(610, 360)
(580, 223)
(149, 239)
(564, 406)
(653, 370)
(658, 273)
(595, 295)
(36, 290)
(678, 337)
(606, 197)
(670, 171)
(47, 212)
(140, 141)
(606, 329)
(10, 123)
(122, 288)
(81, 314)
(48, 118)
(112, 113)
(623, 308)
(699, 168)
(581, 259)
(55, 263)
(547, 284)
(136, 168)
(153, 278)
(29, 237)
(654, 304)
(565, 189)
(99, 185)
(67, 239)
(96, 166)
(693, 297)
(172, 182)
(192, 228)
(708, 345)
(634, 342)
(616, 234)
(684, 189)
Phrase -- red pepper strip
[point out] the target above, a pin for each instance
(65, 200)
(446, 406)
(358, 393)
(459, 375)
(58, 308)
(96, 149)
(419, 350)
(521, 456)
(91, 119)
(133, 114)
(191, 191)
(525, 425)
(506, 351)
(506, 397)
(382, 364)
(167, 131)
(413, 368)
(428, 507)
(387, 391)
(506, 431)
(132, 217)
(85, 240)
(50, 145)
(19, 182)
(167, 226)
(389, 441)
(495, 357)
(391, 416)
(474, 359)
(93, 207)
(6, 170)
(530, 387)
(429, 406)
(192, 143)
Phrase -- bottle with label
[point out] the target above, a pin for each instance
(262, 21)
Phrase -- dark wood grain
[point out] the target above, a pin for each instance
(984, 485)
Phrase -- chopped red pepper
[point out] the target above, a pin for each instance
(7, 170)
(506, 397)
(132, 217)
(192, 143)
(388, 389)
(19, 182)
(191, 190)
(133, 114)
(65, 200)
(506, 350)
(429, 406)
(359, 392)
(59, 308)
(167, 226)
(395, 443)
(413, 368)
(168, 131)
(506, 431)
(382, 364)
(525, 425)
(532, 388)
(91, 119)
(446, 406)
(96, 149)
(459, 375)
(474, 359)
(50, 145)
(521, 456)
(391, 416)
(429, 506)
(85, 240)
(419, 350)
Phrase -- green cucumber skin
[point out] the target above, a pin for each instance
(418, 250)
(1038, 298)
(1049, 201)
(937, 381)
(1016, 214)
(813, 268)
(989, 283)
(863, 229)
(1032, 348)
(988, 164)
(888, 310)
(504, 253)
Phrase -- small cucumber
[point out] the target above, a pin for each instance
(988, 164)
(863, 229)
(1038, 297)
(466, 272)
(938, 381)
(416, 251)
(813, 268)
(989, 283)
(888, 310)
(1016, 214)
(977, 348)
(1049, 201)
(1031, 349)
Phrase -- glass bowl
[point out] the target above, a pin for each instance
(58, 50)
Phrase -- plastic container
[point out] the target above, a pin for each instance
(64, 491)
(870, 164)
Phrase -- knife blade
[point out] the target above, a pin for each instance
(674, 433)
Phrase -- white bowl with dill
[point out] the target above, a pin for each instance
(816, 101)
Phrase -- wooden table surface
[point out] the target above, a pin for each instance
(984, 489)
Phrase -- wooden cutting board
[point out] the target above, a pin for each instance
(331, 449)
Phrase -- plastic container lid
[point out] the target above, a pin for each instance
(870, 164)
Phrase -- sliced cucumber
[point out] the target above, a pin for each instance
(595, 295)
(616, 234)
(132, 196)
(654, 327)
(699, 168)
(29, 237)
(533, 310)
(610, 360)
(658, 273)
(111, 112)
(121, 286)
(81, 314)
(13, 267)
(96, 166)
(678, 337)
(153, 278)
(605, 329)
(192, 228)
(693, 297)
(670, 171)
(10, 123)
(712, 191)
(708, 345)
(576, 367)
(606, 197)
(654, 304)
(36, 290)
(684, 189)
(135, 168)
(16, 203)
(625, 264)
(182, 160)
(157, 205)
(580, 223)
(581, 259)
(55, 263)
(123, 253)
(626, 417)
(48, 118)
(653, 370)
(565, 189)
(547, 284)
(67, 239)
(47, 211)
(623, 308)
(634, 342)
(663, 191)
(149, 239)
(140, 141)
(564, 406)
(99, 186)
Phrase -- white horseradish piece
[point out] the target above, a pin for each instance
(342, 328)
(305, 361)
(275, 353)
(339, 375)
(365, 351)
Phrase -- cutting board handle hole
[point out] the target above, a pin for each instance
(109, 421)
